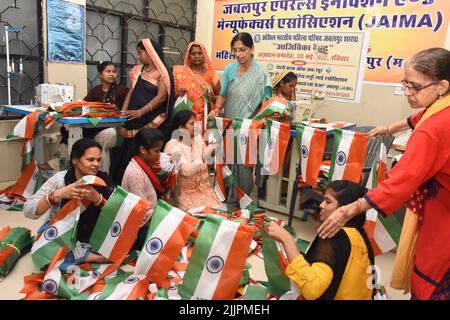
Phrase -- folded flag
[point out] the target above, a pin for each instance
(118, 224)
(311, 147)
(276, 147)
(273, 107)
(383, 232)
(14, 242)
(349, 154)
(217, 261)
(168, 233)
(247, 133)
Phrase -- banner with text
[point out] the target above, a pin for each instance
(398, 28)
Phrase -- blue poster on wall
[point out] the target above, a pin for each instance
(65, 31)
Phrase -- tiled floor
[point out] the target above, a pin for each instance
(13, 283)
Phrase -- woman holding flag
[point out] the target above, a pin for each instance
(336, 268)
(148, 103)
(246, 85)
(198, 80)
(420, 179)
(65, 185)
(194, 183)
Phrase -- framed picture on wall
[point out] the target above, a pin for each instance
(65, 31)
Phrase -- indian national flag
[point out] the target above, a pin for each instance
(245, 202)
(27, 153)
(93, 181)
(218, 260)
(182, 103)
(277, 143)
(310, 146)
(271, 106)
(85, 279)
(224, 178)
(54, 282)
(204, 211)
(26, 127)
(383, 232)
(169, 231)
(349, 154)
(29, 182)
(60, 232)
(133, 287)
(118, 225)
(223, 137)
(382, 164)
(275, 264)
(247, 133)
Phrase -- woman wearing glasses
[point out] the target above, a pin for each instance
(245, 86)
(421, 179)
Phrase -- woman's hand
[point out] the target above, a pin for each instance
(276, 232)
(378, 131)
(211, 96)
(335, 222)
(132, 114)
(89, 193)
(214, 113)
(72, 191)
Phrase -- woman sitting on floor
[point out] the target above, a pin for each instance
(65, 185)
(194, 184)
(336, 268)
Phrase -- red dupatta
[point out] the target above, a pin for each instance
(150, 174)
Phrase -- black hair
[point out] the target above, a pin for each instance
(181, 118)
(147, 138)
(194, 45)
(347, 192)
(80, 147)
(140, 45)
(102, 66)
(433, 63)
(289, 77)
(244, 37)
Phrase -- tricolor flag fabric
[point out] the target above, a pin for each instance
(204, 212)
(224, 138)
(311, 147)
(383, 232)
(60, 232)
(255, 292)
(92, 181)
(54, 282)
(273, 106)
(224, 178)
(382, 164)
(182, 103)
(218, 260)
(26, 127)
(85, 279)
(132, 288)
(349, 154)
(275, 264)
(276, 147)
(118, 225)
(247, 133)
(245, 202)
(168, 233)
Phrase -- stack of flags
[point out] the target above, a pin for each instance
(14, 243)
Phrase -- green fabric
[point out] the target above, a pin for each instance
(21, 239)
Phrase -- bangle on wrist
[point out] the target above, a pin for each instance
(48, 202)
(388, 132)
(99, 202)
(139, 113)
(51, 198)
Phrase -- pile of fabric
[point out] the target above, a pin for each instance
(200, 254)
(14, 243)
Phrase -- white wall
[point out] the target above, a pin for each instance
(378, 104)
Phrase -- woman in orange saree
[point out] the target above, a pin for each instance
(198, 80)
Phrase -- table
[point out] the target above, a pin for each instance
(274, 200)
(75, 127)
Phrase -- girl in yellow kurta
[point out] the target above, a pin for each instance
(336, 268)
(194, 185)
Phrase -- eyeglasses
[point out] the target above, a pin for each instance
(414, 89)
(241, 50)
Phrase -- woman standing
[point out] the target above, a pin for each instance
(246, 85)
(194, 183)
(421, 179)
(198, 80)
(149, 102)
(109, 91)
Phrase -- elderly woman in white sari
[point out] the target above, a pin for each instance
(245, 86)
